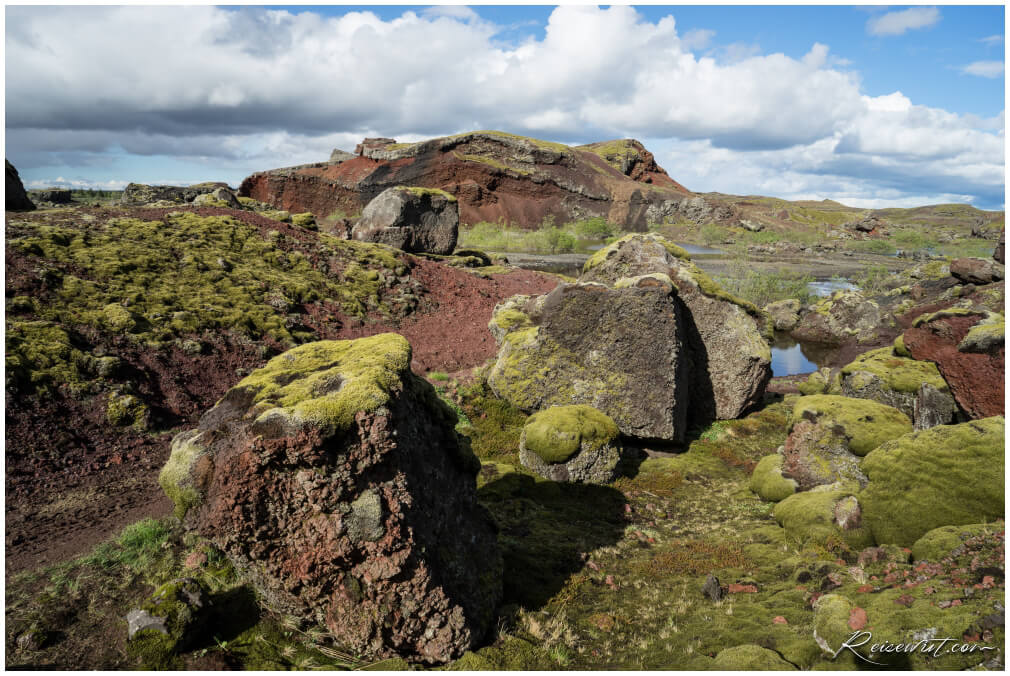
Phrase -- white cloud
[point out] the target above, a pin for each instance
(897, 23)
(990, 69)
(246, 90)
(992, 40)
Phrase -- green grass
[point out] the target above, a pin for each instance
(762, 287)
(872, 246)
(547, 239)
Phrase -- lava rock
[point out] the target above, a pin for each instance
(976, 270)
(15, 197)
(139, 194)
(571, 443)
(333, 479)
(844, 315)
(418, 220)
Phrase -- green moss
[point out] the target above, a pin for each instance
(949, 312)
(304, 220)
(557, 433)
(604, 253)
(172, 603)
(864, 422)
(809, 520)
(329, 381)
(940, 542)
(947, 475)
(117, 318)
(751, 658)
(277, 215)
(176, 477)
(126, 409)
(41, 356)
(491, 162)
(816, 383)
(768, 482)
(897, 373)
(899, 347)
(417, 190)
(985, 335)
(508, 319)
(511, 653)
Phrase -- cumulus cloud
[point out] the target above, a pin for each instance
(897, 23)
(250, 89)
(990, 69)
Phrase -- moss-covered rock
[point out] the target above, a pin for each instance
(166, 622)
(571, 443)
(751, 658)
(421, 220)
(509, 315)
(940, 542)
(845, 315)
(916, 388)
(986, 336)
(785, 314)
(127, 410)
(821, 382)
(305, 220)
(827, 517)
(768, 482)
(277, 215)
(948, 475)
(865, 424)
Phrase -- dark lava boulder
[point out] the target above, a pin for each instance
(617, 350)
(728, 357)
(53, 195)
(845, 315)
(16, 199)
(333, 479)
(999, 255)
(976, 270)
(967, 346)
(139, 194)
(417, 220)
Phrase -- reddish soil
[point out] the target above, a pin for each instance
(72, 481)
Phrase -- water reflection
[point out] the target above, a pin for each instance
(826, 287)
(790, 358)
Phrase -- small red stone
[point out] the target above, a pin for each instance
(735, 588)
(778, 619)
(857, 619)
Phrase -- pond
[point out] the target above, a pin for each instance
(790, 358)
(826, 287)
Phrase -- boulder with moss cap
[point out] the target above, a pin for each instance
(418, 220)
(915, 388)
(729, 357)
(571, 443)
(166, 622)
(941, 542)
(333, 479)
(768, 482)
(826, 516)
(751, 658)
(948, 475)
(617, 350)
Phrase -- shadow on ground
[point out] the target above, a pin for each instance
(545, 528)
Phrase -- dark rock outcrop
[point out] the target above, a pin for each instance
(16, 199)
(644, 336)
(139, 194)
(52, 195)
(999, 255)
(333, 479)
(417, 220)
(968, 348)
(617, 350)
(844, 316)
(976, 270)
(730, 360)
(496, 177)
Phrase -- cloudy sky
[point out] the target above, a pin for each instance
(871, 106)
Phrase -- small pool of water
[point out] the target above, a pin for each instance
(584, 246)
(826, 287)
(790, 358)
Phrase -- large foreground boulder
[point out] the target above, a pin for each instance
(967, 346)
(418, 220)
(333, 479)
(976, 270)
(728, 356)
(948, 475)
(15, 197)
(617, 350)
(915, 388)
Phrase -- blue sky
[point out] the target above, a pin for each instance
(881, 106)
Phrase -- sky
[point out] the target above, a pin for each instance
(870, 106)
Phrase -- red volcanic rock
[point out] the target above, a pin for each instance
(333, 479)
(975, 377)
(496, 177)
